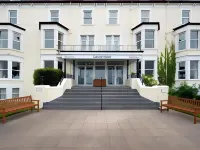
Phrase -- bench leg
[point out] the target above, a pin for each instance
(4, 118)
(161, 108)
(195, 118)
(38, 108)
(167, 109)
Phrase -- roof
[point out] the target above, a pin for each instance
(10, 24)
(100, 1)
(147, 23)
(187, 24)
(52, 23)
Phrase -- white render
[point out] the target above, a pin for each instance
(32, 53)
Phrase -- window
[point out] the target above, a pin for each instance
(194, 39)
(112, 42)
(193, 69)
(87, 19)
(138, 40)
(149, 38)
(149, 67)
(3, 69)
(60, 41)
(181, 71)
(15, 92)
(181, 41)
(13, 16)
(185, 16)
(145, 15)
(16, 40)
(87, 42)
(60, 65)
(3, 38)
(49, 38)
(54, 15)
(15, 70)
(113, 14)
(48, 64)
(2, 93)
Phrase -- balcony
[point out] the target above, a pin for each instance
(95, 48)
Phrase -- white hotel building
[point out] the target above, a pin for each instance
(90, 39)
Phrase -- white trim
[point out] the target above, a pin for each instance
(8, 14)
(140, 14)
(49, 14)
(82, 16)
(108, 16)
(190, 16)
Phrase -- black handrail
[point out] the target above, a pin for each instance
(141, 79)
(101, 93)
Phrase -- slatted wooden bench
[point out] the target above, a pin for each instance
(182, 104)
(16, 104)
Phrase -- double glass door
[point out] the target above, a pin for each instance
(115, 75)
(85, 75)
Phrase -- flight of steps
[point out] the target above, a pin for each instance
(89, 98)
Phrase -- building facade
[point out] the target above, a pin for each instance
(95, 39)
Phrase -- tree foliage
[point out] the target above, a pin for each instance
(167, 65)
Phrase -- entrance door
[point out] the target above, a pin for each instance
(119, 75)
(81, 75)
(111, 75)
(89, 75)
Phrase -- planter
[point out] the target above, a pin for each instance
(99, 82)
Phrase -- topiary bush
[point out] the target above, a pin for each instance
(149, 80)
(185, 91)
(47, 76)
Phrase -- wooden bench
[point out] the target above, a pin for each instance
(16, 104)
(182, 104)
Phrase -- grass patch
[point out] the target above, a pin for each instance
(13, 113)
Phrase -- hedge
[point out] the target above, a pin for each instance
(47, 76)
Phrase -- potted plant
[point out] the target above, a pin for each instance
(133, 75)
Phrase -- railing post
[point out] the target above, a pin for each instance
(101, 93)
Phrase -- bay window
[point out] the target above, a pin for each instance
(49, 38)
(3, 38)
(194, 69)
(149, 67)
(15, 70)
(182, 41)
(2, 93)
(149, 38)
(138, 40)
(181, 70)
(3, 69)
(48, 64)
(194, 39)
(60, 41)
(16, 41)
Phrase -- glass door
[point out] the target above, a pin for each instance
(119, 75)
(81, 75)
(89, 75)
(111, 75)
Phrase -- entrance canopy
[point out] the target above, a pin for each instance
(125, 55)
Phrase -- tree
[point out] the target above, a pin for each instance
(167, 65)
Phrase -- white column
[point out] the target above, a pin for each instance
(142, 67)
(142, 39)
(187, 37)
(9, 69)
(155, 70)
(177, 68)
(56, 64)
(10, 39)
(187, 69)
(56, 39)
(199, 69)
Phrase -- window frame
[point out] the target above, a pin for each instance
(141, 17)
(112, 46)
(9, 16)
(182, 70)
(18, 41)
(198, 34)
(4, 39)
(87, 46)
(182, 17)
(51, 18)
(138, 41)
(49, 39)
(5, 69)
(149, 39)
(117, 18)
(48, 61)
(3, 93)
(148, 68)
(180, 41)
(83, 11)
(60, 47)
(194, 69)
(16, 70)
(16, 93)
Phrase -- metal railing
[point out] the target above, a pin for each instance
(98, 48)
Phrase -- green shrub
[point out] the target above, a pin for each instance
(197, 97)
(47, 76)
(184, 91)
(149, 80)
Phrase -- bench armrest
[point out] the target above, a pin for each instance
(163, 101)
(38, 101)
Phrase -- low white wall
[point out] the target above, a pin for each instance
(155, 93)
(46, 93)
